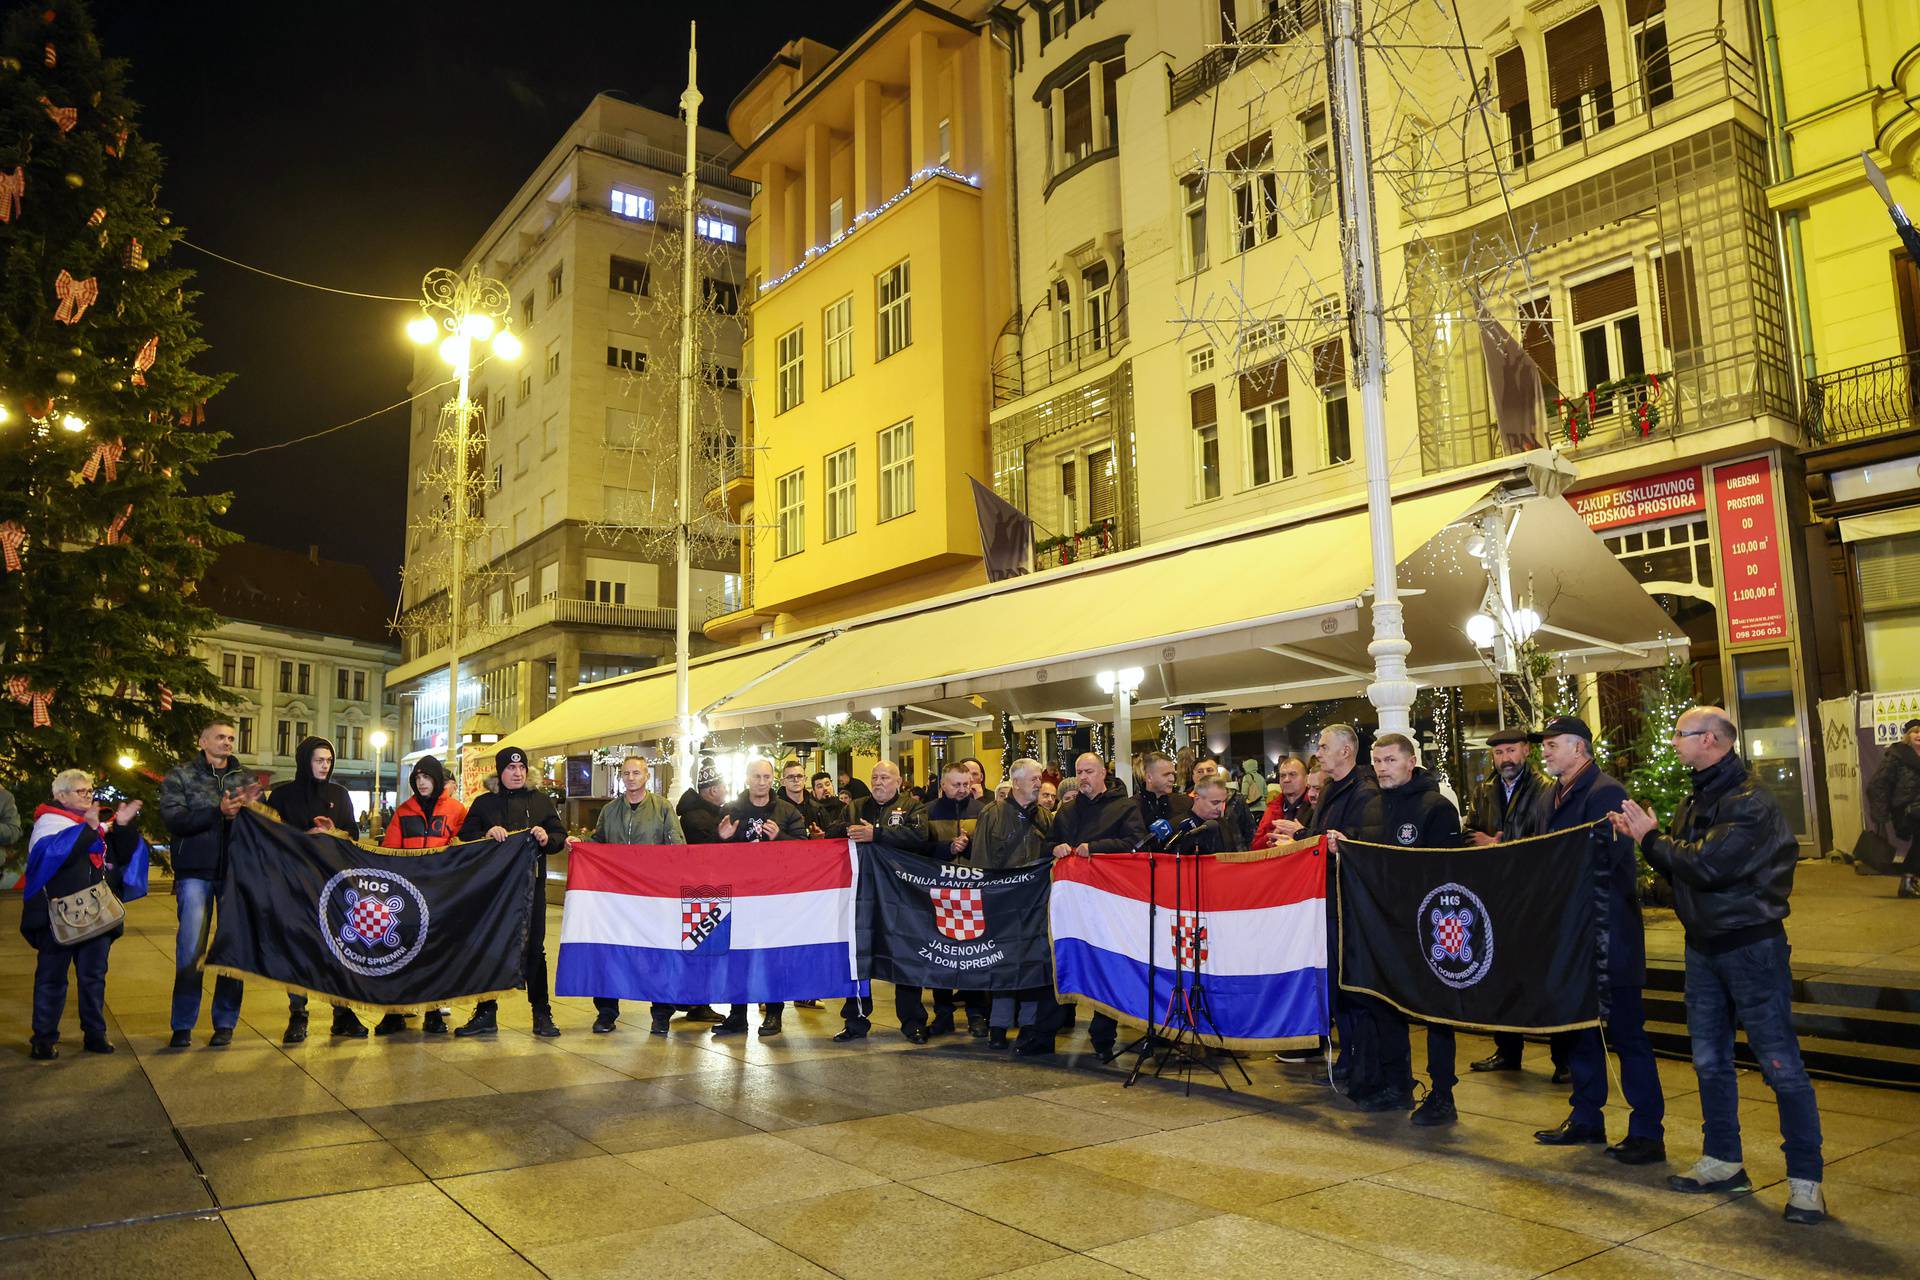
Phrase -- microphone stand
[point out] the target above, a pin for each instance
(1143, 1045)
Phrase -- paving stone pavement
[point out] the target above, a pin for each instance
(631, 1155)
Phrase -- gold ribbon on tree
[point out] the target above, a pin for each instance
(27, 696)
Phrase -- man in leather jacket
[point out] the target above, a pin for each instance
(1099, 817)
(1730, 855)
(888, 814)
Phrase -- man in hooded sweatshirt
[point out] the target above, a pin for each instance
(1407, 810)
(1098, 817)
(495, 816)
(313, 803)
(430, 818)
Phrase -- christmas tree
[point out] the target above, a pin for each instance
(103, 425)
(1659, 779)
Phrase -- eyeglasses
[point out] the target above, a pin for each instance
(1691, 733)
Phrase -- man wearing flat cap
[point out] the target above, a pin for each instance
(1504, 809)
(495, 816)
(1581, 795)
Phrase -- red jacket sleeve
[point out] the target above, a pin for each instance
(1266, 822)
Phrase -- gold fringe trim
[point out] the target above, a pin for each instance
(1468, 1026)
(1474, 848)
(1208, 1039)
(1285, 849)
(358, 1006)
(266, 813)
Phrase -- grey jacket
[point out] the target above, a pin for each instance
(9, 825)
(651, 822)
(190, 808)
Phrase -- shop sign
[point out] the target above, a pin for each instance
(1674, 493)
(1752, 592)
(1890, 711)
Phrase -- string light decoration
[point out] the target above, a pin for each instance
(864, 217)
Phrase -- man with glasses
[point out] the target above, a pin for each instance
(1730, 853)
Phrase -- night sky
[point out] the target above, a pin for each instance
(358, 145)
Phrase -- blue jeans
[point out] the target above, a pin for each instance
(194, 899)
(1751, 985)
(1626, 1034)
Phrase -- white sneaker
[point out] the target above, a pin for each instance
(1805, 1202)
(1711, 1175)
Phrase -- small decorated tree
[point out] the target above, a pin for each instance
(103, 425)
(1659, 779)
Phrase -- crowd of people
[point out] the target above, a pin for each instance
(1728, 852)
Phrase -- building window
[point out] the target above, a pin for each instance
(1606, 329)
(836, 342)
(246, 672)
(1330, 376)
(1267, 422)
(1577, 76)
(626, 358)
(840, 493)
(789, 359)
(1096, 291)
(1203, 413)
(553, 360)
(246, 735)
(1888, 578)
(286, 677)
(1510, 70)
(1199, 361)
(896, 471)
(790, 514)
(1110, 73)
(551, 431)
(716, 229)
(1319, 157)
(721, 377)
(556, 281)
(1069, 493)
(1193, 190)
(601, 591)
(283, 737)
(896, 309)
(526, 388)
(522, 455)
(945, 132)
(1103, 483)
(1256, 202)
(1076, 116)
(1649, 21)
(632, 204)
(229, 669)
(720, 295)
(619, 505)
(549, 509)
(359, 686)
(342, 681)
(627, 276)
(836, 218)
(526, 312)
(1062, 322)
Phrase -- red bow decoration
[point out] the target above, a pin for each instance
(194, 414)
(12, 187)
(13, 536)
(53, 58)
(105, 458)
(117, 531)
(75, 296)
(26, 695)
(166, 697)
(65, 117)
(97, 217)
(144, 360)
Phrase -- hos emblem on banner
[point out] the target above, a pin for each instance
(375, 922)
(1189, 939)
(960, 914)
(1456, 935)
(703, 909)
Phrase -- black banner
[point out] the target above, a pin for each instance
(381, 932)
(926, 924)
(1501, 937)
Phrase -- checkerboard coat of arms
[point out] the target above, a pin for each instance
(1189, 939)
(374, 921)
(959, 913)
(1456, 935)
(703, 909)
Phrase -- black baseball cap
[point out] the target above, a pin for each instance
(1565, 724)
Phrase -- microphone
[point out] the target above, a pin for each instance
(1159, 830)
(1188, 825)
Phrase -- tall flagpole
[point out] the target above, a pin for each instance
(682, 551)
(1391, 691)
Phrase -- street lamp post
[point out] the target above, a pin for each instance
(378, 741)
(465, 309)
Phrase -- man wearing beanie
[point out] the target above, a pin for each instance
(495, 816)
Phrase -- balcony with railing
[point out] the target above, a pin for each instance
(1866, 400)
(1021, 373)
(481, 631)
(709, 172)
(1289, 20)
(1100, 538)
(1695, 73)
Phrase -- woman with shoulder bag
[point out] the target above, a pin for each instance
(70, 912)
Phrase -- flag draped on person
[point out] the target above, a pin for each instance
(1501, 937)
(51, 843)
(1249, 934)
(381, 932)
(925, 924)
(709, 924)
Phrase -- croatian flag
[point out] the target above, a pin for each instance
(709, 924)
(1250, 938)
(58, 834)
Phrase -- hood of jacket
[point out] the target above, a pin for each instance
(430, 768)
(304, 785)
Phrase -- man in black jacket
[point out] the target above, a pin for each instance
(758, 814)
(1730, 856)
(1580, 796)
(1407, 810)
(198, 800)
(1207, 828)
(1504, 809)
(699, 807)
(1162, 806)
(947, 830)
(889, 815)
(826, 810)
(313, 803)
(1237, 811)
(496, 815)
(1098, 817)
(1349, 787)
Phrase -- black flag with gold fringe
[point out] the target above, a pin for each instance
(383, 932)
(1501, 937)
